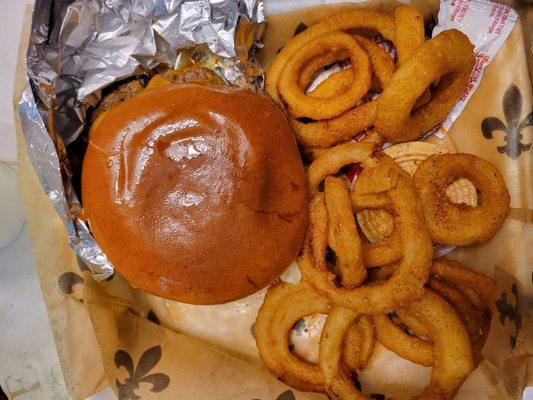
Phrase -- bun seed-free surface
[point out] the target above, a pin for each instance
(196, 193)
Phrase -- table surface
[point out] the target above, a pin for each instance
(23, 318)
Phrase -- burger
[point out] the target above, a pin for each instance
(194, 191)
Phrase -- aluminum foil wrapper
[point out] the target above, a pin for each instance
(79, 47)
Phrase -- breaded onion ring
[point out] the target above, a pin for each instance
(359, 343)
(406, 283)
(338, 382)
(394, 338)
(354, 19)
(314, 66)
(312, 153)
(459, 224)
(301, 104)
(332, 160)
(412, 323)
(384, 251)
(450, 280)
(408, 32)
(471, 317)
(381, 65)
(283, 306)
(408, 37)
(464, 278)
(451, 346)
(328, 132)
(451, 349)
(342, 234)
(447, 57)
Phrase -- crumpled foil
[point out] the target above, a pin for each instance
(79, 47)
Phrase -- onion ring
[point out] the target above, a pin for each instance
(408, 279)
(335, 130)
(394, 338)
(459, 224)
(451, 349)
(464, 277)
(461, 304)
(320, 61)
(342, 235)
(449, 57)
(301, 104)
(359, 343)
(451, 345)
(408, 32)
(381, 273)
(312, 153)
(338, 383)
(283, 306)
(354, 19)
(383, 252)
(450, 280)
(380, 62)
(338, 129)
(408, 37)
(332, 160)
(413, 324)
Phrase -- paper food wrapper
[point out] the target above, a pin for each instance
(146, 347)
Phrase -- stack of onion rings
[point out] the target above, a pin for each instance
(398, 195)
(469, 293)
(388, 286)
(283, 306)
(451, 351)
(338, 112)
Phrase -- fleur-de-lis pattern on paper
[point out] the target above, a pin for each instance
(127, 390)
(509, 311)
(286, 395)
(67, 280)
(513, 127)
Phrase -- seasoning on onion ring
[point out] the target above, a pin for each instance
(451, 349)
(408, 37)
(354, 19)
(301, 104)
(447, 57)
(394, 338)
(450, 280)
(359, 343)
(459, 224)
(342, 234)
(451, 346)
(338, 382)
(407, 281)
(283, 306)
(465, 278)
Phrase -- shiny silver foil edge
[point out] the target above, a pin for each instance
(79, 47)
(43, 155)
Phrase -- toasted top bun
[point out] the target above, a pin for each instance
(196, 193)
